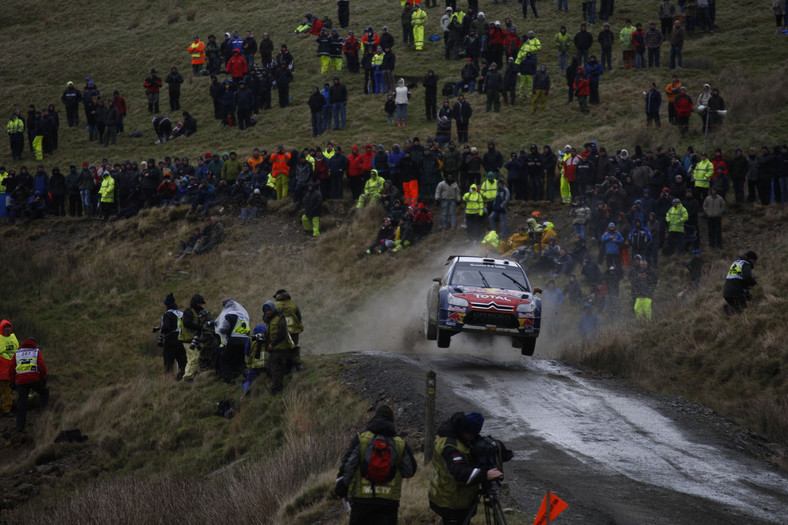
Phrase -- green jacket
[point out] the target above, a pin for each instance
(562, 42)
(230, 169)
(292, 314)
(276, 333)
(362, 488)
(676, 217)
(444, 490)
(474, 203)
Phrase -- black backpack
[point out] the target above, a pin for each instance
(379, 462)
(448, 89)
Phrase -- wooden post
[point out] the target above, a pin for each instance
(547, 515)
(429, 417)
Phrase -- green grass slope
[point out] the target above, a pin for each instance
(90, 293)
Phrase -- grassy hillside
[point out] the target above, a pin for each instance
(90, 293)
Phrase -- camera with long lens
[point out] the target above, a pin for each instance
(195, 343)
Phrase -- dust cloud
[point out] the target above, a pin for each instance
(394, 320)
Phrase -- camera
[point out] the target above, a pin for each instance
(489, 453)
(195, 343)
(259, 337)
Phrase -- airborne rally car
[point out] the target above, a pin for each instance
(483, 295)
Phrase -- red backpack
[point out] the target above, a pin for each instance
(378, 465)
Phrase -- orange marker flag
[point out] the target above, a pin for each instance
(557, 506)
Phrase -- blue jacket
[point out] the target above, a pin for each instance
(593, 71)
(394, 158)
(612, 242)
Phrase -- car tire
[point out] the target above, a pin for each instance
(432, 331)
(444, 338)
(528, 346)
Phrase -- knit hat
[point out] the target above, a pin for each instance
(385, 412)
(169, 301)
(473, 423)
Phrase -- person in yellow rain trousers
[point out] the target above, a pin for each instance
(418, 19)
(566, 192)
(9, 344)
(372, 190)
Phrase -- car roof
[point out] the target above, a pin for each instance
(483, 260)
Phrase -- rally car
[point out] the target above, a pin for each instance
(484, 295)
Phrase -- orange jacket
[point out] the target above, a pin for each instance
(279, 164)
(197, 51)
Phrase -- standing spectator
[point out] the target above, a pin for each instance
(406, 20)
(343, 13)
(430, 84)
(152, 85)
(493, 82)
(313, 202)
(666, 11)
(704, 16)
(613, 241)
(228, 103)
(197, 53)
(337, 97)
(16, 136)
(676, 44)
(237, 67)
(71, 98)
(120, 103)
(387, 70)
(174, 81)
(653, 103)
(499, 206)
(510, 82)
(639, 46)
(593, 71)
(474, 209)
(401, 98)
(541, 90)
(627, 46)
(675, 218)
(336, 45)
(562, 44)
(644, 282)
(375, 500)
(350, 49)
(532, 3)
(765, 175)
(324, 50)
(673, 89)
(283, 78)
(606, 39)
(581, 89)
(249, 48)
(583, 41)
(716, 109)
(683, 106)
(462, 113)
(244, 100)
(417, 20)
(213, 55)
(448, 195)
(8, 347)
(653, 40)
(111, 126)
(589, 325)
(28, 371)
(714, 208)
(266, 48)
(316, 102)
(72, 189)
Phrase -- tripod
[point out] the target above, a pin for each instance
(493, 512)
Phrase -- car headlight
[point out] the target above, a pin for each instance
(526, 307)
(457, 301)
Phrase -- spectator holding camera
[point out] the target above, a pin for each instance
(456, 477)
(190, 326)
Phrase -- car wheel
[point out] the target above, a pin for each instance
(432, 331)
(529, 345)
(444, 338)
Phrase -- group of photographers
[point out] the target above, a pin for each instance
(464, 465)
(195, 340)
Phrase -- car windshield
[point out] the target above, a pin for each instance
(489, 276)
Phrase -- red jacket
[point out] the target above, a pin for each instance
(497, 36)
(355, 162)
(368, 156)
(27, 354)
(683, 105)
(570, 164)
(120, 103)
(237, 66)
(581, 86)
(317, 25)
